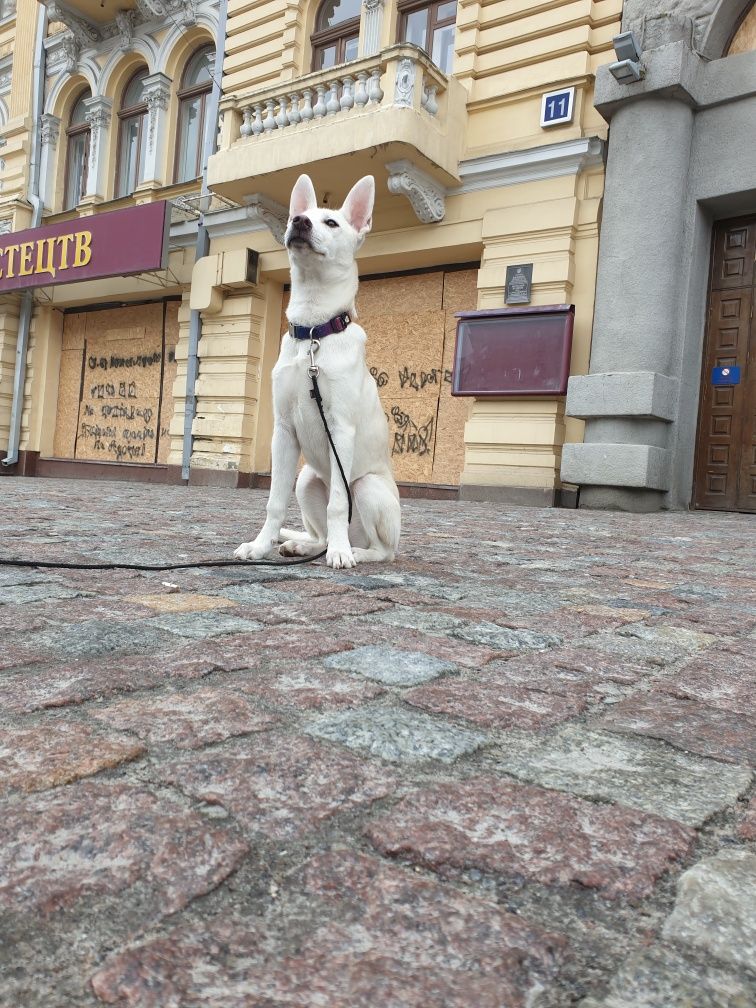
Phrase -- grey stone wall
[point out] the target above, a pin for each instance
(680, 157)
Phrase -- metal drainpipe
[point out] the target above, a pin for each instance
(27, 298)
(203, 240)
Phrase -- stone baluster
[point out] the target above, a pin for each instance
(306, 113)
(319, 109)
(257, 122)
(282, 119)
(294, 116)
(269, 122)
(246, 127)
(360, 91)
(347, 97)
(375, 94)
(429, 102)
(333, 105)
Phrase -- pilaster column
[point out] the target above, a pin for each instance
(156, 90)
(371, 28)
(626, 458)
(99, 114)
(49, 133)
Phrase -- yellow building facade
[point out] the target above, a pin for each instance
(442, 103)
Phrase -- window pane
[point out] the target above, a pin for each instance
(133, 93)
(350, 49)
(335, 12)
(416, 28)
(190, 139)
(198, 69)
(446, 10)
(327, 57)
(76, 181)
(127, 178)
(443, 48)
(79, 111)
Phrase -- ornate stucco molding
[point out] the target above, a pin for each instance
(85, 33)
(156, 91)
(428, 197)
(49, 130)
(274, 215)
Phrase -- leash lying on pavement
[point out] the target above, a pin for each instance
(313, 371)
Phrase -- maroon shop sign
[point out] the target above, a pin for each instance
(134, 240)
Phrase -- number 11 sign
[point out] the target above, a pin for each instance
(557, 106)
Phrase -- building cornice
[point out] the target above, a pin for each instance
(569, 157)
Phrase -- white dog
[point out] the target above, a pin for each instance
(322, 244)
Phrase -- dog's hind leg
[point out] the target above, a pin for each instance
(377, 502)
(312, 498)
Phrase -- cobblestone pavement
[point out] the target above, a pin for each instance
(511, 770)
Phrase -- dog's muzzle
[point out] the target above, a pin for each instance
(301, 230)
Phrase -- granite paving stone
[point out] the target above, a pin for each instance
(725, 679)
(384, 937)
(279, 785)
(470, 778)
(662, 978)
(105, 837)
(42, 756)
(515, 829)
(655, 645)
(715, 910)
(200, 625)
(63, 685)
(617, 768)
(491, 702)
(747, 826)
(188, 720)
(288, 684)
(390, 666)
(104, 638)
(397, 735)
(687, 725)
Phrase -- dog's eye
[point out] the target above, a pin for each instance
(332, 223)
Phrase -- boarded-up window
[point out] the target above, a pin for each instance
(115, 388)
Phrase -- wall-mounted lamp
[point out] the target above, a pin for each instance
(628, 69)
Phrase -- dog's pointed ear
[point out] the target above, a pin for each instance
(302, 196)
(358, 206)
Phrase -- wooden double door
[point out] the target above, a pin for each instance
(725, 463)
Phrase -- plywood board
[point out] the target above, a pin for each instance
(460, 294)
(118, 415)
(170, 368)
(400, 295)
(67, 416)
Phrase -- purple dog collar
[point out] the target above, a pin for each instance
(336, 324)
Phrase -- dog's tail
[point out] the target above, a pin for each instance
(293, 535)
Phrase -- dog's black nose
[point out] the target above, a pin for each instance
(302, 223)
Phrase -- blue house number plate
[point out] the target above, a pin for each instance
(725, 376)
(557, 107)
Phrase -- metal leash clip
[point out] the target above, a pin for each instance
(313, 370)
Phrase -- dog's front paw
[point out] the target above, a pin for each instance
(340, 557)
(251, 551)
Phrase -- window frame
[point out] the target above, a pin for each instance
(139, 111)
(407, 7)
(184, 95)
(72, 132)
(340, 34)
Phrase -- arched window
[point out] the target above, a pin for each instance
(77, 153)
(430, 26)
(132, 136)
(196, 85)
(337, 33)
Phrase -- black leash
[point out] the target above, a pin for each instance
(315, 394)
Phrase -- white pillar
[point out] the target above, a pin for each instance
(156, 90)
(49, 134)
(98, 115)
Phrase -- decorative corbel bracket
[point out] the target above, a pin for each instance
(274, 215)
(427, 196)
